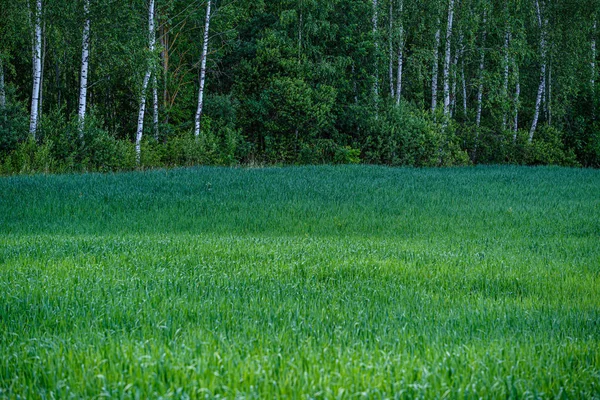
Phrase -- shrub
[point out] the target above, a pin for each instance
(326, 151)
(14, 125)
(407, 136)
(548, 148)
(29, 157)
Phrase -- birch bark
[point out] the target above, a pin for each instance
(540, 92)
(375, 29)
(43, 61)
(155, 105)
(202, 71)
(400, 57)
(481, 71)
(505, 100)
(85, 56)
(516, 100)
(453, 95)
(142, 110)
(391, 49)
(37, 68)
(464, 85)
(448, 57)
(435, 72)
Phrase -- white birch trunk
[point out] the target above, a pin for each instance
(464, 85)
(448, 57)
(481, 71)
(399, 73)
(85, 56)
(375, 28)
(391, 50)
(505, 100)
(37, 68)
(453, 95)
(43, 62)
(142, 110)
(140, 128)
(541, 87)
(435, 72)
(516, 101)
(202, 71)
(400, 57)
(155, 105)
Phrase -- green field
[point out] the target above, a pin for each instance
(312, 282)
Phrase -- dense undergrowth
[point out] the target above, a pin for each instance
(395, 136)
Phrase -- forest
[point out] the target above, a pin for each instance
(104, 85)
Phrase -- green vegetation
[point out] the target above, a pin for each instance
(422, 83)
(322, 282)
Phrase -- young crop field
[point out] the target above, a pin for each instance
(305, 282)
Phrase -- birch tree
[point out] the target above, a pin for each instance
(464, 85)
(42, 63)
(542, 25)
(155, 121)
(447, 58)
(506, 61)
(516, 100)
(85, 56)
(37, 68)
(400, 56)
(375, 22)
(391, 48)
(453, 95)
(481, 71)
(142, 110)
(202, 70)
(435, 72)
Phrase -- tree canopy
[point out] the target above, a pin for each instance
(300, 81)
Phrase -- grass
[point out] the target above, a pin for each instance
(313, 282)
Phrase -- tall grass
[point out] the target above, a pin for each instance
(312, 282)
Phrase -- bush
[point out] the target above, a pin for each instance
(29, 157)
(326, 151)
(406, 136)
(485, 145)
(548, 148)
(105, 153)
(217, 144)
(14, 125)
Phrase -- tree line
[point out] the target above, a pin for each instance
(109, 85)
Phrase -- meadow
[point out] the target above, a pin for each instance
(301, 282)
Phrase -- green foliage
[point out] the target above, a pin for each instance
(548, 148)
(217, 145)
(406, 136)
(326, 151)
(29, 158)
(303, 282)
(14, 125)
(308, 82)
